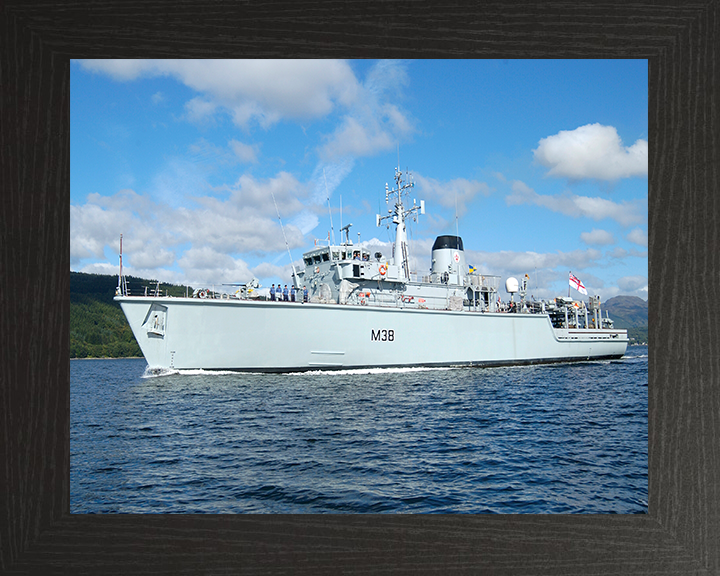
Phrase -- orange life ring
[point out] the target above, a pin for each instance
(383, 269)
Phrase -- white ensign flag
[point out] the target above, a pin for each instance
(575, 283)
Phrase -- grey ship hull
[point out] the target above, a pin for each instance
(263, 336)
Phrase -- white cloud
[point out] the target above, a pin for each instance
(261, 90)
(268, 270)
(546, 270)
(156, 233)
(618, 253)
(156, 258)
(638, 236)
(597, 237)
(199, 110)
(268, 91)
(632, 283)
(100, 221)
(327, 176)
(247, 220)
(525, 262)
(106, 268)
(356, 138)
(447, 194)
(592, 151)
(283, 191)
(244, 152)
(212, 157)
(373, 124)
(157, 98)
(120, 69)
(625, 213)
(306, 221)
(398, 121)
(203, 265)
(179, 179)
(208, 154)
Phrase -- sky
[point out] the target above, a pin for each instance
(218, 171)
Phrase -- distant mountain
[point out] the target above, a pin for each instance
(627, 311)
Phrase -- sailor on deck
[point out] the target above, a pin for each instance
(285, 293)
(272, 293)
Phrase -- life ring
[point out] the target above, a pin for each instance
(383, 269)
(317, 269)
(202, 294)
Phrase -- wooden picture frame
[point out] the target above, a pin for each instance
(680, 533)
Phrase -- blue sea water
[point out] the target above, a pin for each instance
(558, 438)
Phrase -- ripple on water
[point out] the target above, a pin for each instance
(561, 438)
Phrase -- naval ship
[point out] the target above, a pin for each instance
(357, 309)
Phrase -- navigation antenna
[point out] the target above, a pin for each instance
(120, 275)
(122, 282)
(398, 215)
(346, 229)
(284, 238)
(457, 229)
(329, 210)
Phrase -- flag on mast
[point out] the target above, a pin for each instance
(575, 283)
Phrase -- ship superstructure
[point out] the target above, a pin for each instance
(368, 309)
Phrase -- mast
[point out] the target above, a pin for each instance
(119, 290)
(399, 215)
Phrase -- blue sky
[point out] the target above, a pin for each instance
(541, 165)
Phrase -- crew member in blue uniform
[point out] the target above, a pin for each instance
(285, 293)
(272, 293)
(305, 294)
(292, 293)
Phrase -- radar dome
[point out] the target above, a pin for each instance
(511, 285)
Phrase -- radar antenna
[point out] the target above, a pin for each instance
(346, 229)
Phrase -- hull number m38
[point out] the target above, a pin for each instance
(382, 335)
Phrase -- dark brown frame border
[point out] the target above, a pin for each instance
(681, 40)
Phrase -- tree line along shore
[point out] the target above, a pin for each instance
(98, 327)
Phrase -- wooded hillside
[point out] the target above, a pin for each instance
(98, 328)
(630, 312)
